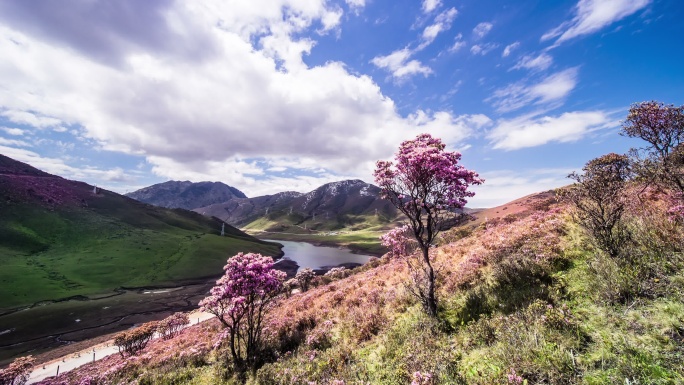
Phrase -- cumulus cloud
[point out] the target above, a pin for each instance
(442, 23)
(482, 29)
(510, 48)
(551, 89)
(523, 132)
(536, 63)
(401, 66)
(593, 15)
(431, 5)
(228, 98)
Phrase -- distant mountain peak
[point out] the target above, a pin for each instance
(186, 195)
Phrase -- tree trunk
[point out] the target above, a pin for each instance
(431, 300)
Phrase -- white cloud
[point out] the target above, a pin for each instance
(536, 63)
(442, 23)
(31, 119)
(510, 48)
(431, 5)
(13, 131)
(593, 15)
(458, 43)
(400, 66)
(552, 89)
(331, 20)
(523, 132)
(356, 4)
(482, 49)
(13, 142)
(482, 29)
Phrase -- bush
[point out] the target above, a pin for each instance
(18, 372)
(304, 278)
(599, 201)
(134, 341)
(336, 273)
(172, 325)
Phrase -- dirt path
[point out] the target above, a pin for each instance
(90, 354)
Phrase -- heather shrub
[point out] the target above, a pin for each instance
(336, 273)
(18, 372)
(172, 325)
(284, 334)
(132, 342)
(304, 278)
(320, 337)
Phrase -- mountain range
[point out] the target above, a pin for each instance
(186, 195)
(348, 204)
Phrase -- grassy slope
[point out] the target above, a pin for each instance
(52, 253)
(526, 301)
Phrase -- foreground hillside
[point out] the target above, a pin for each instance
(523, 299)
(62, 238)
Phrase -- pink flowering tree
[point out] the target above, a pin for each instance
(429, 186)
(240, 300)
(662, 127)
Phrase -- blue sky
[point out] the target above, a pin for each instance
(275, 95)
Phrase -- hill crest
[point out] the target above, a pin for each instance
(186, 195)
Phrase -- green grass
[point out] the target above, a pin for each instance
(115, 242)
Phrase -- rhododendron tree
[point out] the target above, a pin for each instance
(240, 301)
(429, 186)
(662, 126)
(599, 201)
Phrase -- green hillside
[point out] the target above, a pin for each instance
(68, 241)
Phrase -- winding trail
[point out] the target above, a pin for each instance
(93, 353)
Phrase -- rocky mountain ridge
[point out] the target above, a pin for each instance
(185, 194)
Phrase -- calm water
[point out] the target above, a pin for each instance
(316, 257)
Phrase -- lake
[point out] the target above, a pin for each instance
(319, 257)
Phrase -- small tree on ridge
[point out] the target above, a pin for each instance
(662, 126)
(598, 197)
(428, 185)
(240, 300)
